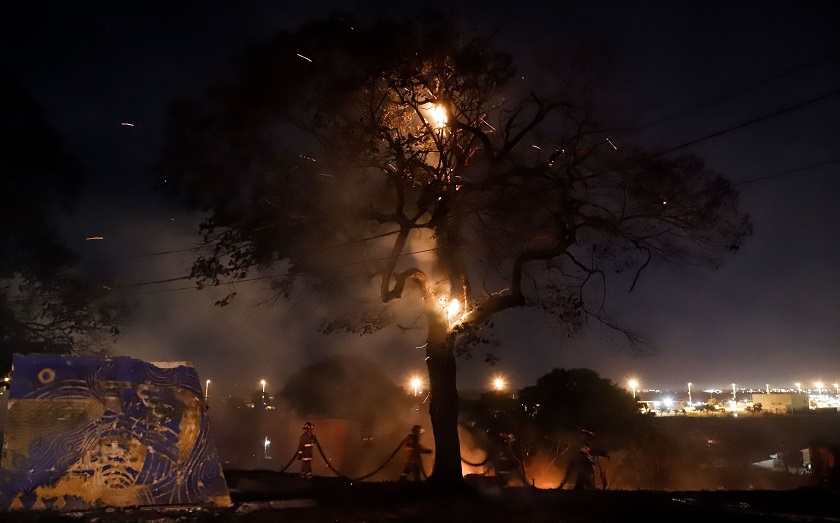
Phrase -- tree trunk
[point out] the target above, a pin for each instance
(443, 405)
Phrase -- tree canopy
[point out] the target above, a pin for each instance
(371, 162)
(575, 399)
(43, 307)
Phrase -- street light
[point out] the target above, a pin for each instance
(734, 398)
(633, 384)
(689, 393)
(798, 387)
(262, 382)
(819, 385)
(499, 383)
(415, 384)
(836, 388)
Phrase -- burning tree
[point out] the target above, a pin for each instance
(407, 157)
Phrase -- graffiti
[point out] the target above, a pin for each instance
(87, 432)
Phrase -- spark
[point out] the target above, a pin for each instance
(89, 238)
(537, 147)
(305, 58)
(127, 124)
(613, 145)
(487, 124)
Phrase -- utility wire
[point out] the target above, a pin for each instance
(750, 122)
(683, 112)
(660, 153)
(726, 95)
(358, 262)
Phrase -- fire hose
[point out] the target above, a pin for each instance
(289, 464)
(359, 478)
(476, 464)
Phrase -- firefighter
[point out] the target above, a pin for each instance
(411, 452)
(581, 469)
(505, 462)
(304, 453)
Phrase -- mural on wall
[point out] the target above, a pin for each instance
(87, 432)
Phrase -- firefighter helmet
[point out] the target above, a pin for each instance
(308, 425)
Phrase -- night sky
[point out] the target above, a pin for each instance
(769, 315)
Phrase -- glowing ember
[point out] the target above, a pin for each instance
(453, 309)
(439, 117)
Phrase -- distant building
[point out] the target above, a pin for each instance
(782, 402)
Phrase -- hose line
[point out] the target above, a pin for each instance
(359, 478)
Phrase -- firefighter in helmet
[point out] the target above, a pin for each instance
(304, 452)
(411, 452)
(581, 468)
(506, 463)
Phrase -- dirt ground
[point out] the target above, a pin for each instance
(268, 497)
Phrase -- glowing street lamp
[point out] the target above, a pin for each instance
(734, 398)
(689, 393)
(416, 382)
(499, 383)
(633, 385)
(836, 388)
(266, 445)
(262, 382)
(798, 387)
(819, 386)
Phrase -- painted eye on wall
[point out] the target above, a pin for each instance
(162, 410)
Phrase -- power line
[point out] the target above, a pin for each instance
(683, 112)
(726, 95)
(749, 122)
(359, 262)
(666, 151)
(784, 173)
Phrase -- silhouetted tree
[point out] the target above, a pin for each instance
(574, 399)
(393, 162)
(43, 308)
